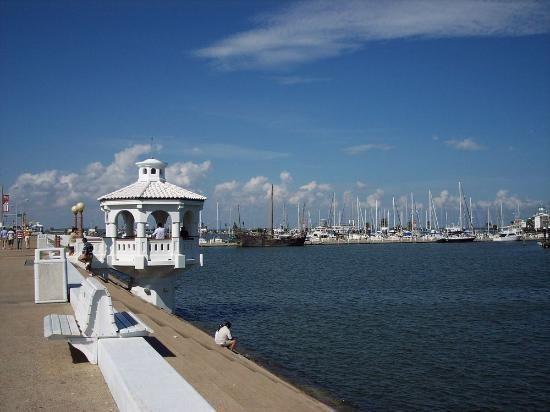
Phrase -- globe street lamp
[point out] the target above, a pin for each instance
(80, 209)
(74, 210)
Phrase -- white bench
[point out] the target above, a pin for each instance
(94, 318)
(141, 380)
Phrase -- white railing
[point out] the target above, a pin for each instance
(159, 249)
(154, 250)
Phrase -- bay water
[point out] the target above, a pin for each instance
(387, 326)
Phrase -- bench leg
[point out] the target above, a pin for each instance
(88, 346)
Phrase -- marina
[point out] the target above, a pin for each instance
(293, 206)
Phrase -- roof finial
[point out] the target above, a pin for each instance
(151, 149)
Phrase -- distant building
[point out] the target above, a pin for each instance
(541, 219)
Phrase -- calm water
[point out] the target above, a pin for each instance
(385, 327)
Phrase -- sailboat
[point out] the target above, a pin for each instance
(265, 238)
(457, 234)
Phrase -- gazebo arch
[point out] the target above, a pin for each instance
(125, 224)
(161, 217)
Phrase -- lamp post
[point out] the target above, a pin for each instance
(79, 208)
(74, 212)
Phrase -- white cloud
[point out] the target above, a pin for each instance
(185, 173)
(311, 30)
(226, 187)
(256, 184)
(360, 185)
(362, 148)
(285, 177)
(374, 197)
(53, 189)
(465, 144)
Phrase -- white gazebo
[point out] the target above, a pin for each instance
(128, 247)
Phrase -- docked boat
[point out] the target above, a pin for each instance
(508, 234)
(455, 235)
(268, 238)
(265, 238)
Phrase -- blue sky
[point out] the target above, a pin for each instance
(366, 99)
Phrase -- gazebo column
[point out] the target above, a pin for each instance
(179, 259)
(110, 235)
(140, 257)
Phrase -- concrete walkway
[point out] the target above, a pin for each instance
(40, 374)
(37, 373)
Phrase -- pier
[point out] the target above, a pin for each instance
(42, 374)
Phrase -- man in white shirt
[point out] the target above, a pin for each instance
(223, 336)
(159, 232)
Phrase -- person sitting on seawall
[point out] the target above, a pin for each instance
(223, 336)
(159, 232)
(87, 254)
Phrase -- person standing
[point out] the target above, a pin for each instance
(223, 336)
(19, 236)
(27, 233)
(4, 237)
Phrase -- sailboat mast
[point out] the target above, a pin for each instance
(299, 228)
(393, 206)
(376, 215)
(460, 205)
(272, 209)
(488, 220)
(412, 212)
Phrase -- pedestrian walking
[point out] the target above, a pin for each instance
(19, 237)
(4, 237)
(11, 237)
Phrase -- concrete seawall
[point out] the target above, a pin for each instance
(40, 374)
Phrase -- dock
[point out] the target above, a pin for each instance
(42, 374)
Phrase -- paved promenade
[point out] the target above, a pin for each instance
(40, 374)
(37, 373)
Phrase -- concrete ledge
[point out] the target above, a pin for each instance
(141, 380)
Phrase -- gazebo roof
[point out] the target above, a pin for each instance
(152, 190)
(151, 184)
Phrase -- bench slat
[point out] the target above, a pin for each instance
(56, 325)
(60, 327)
(73, 326)
(64, 323)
